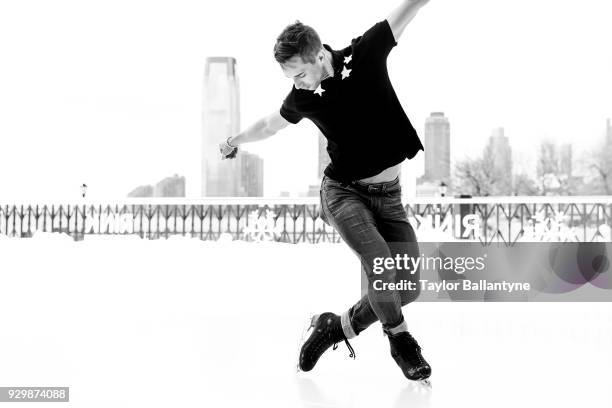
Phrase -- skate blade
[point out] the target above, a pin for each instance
(312, 319)
(426, 382)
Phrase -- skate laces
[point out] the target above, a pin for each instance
(333, 334)
(339, 334)
(348, 345)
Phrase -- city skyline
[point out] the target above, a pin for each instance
(102, 107)
(497, 148)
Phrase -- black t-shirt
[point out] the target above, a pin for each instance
(358, 112)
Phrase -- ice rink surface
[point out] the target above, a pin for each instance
(126, 322)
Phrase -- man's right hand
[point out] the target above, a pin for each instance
(227, 151)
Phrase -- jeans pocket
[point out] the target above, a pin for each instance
(334, 198)
(394, 196)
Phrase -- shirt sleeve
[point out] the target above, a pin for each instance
(289, 112)
(376, 43)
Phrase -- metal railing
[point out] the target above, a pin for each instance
(491, 219)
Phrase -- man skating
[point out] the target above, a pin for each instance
(347, 94)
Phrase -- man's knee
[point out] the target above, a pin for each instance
(409, 295)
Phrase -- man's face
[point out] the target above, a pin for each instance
(305, 75)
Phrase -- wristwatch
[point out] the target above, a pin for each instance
(229, 144)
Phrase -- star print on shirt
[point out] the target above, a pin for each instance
(346, 72)
(319, 91)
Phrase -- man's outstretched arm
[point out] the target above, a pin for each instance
(262, 129)
(402, 15)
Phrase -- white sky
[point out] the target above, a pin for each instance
(109, 93)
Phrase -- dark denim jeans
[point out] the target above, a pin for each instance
(371, 219)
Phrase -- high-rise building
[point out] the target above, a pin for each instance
(251, 167)
(608, 132)
(220, 119)
(499, 152)
(437, 148)
(170, 187)
(324, 158)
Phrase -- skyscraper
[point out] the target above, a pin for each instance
(251, 174)
(220, 119)
(437, 148)
(608, 132)
(499, 151)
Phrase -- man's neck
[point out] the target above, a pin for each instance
(329, 63)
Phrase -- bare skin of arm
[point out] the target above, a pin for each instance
(403, 14)
(260, 130)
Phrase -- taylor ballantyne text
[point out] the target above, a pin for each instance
(463, 285)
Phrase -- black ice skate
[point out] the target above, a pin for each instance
(407, 354)
(326, 331)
